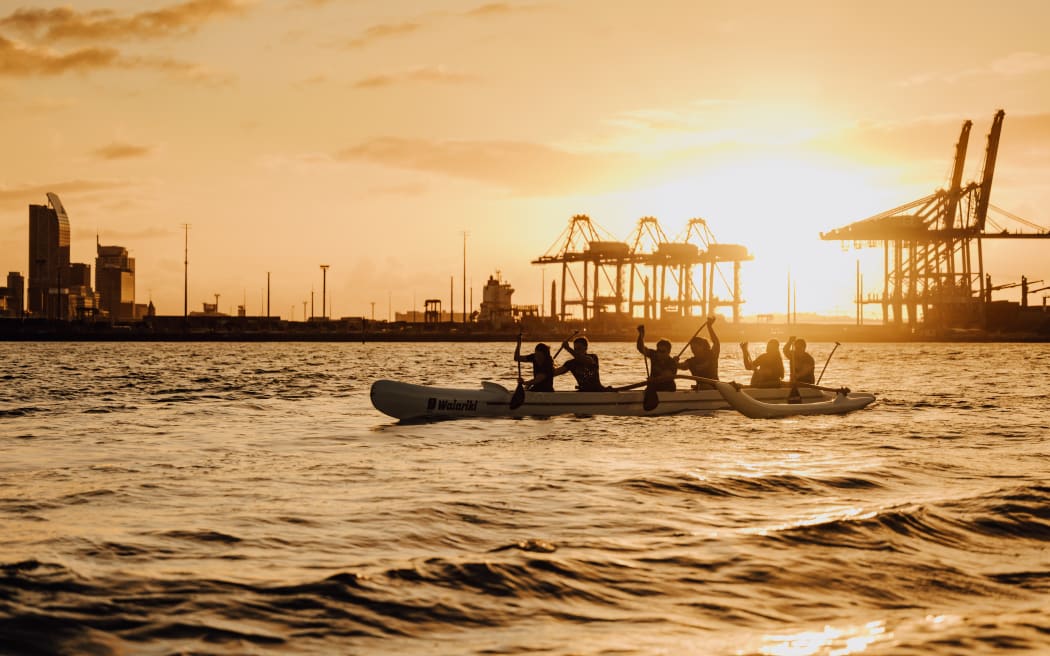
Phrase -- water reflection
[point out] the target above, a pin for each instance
(831, 641)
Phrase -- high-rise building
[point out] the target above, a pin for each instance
(115, 282)
(57, 288)
(48, 259)
(12, 297)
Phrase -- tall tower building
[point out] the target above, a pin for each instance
(48, 259)
(115, 281)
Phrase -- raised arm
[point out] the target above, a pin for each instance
(789, 353)
(716, 345)
(748, 364)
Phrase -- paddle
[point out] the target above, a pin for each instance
(827, 361)
(709, 321)
(518, 397)
(699, 379)
(837, 390)
(563, 343)
(794, 396)
(651, 398)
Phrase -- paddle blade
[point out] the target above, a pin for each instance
(518, 397)
(651, 399)
(794, 396)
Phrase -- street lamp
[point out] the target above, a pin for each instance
(324, 280)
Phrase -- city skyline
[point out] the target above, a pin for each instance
(370, 137)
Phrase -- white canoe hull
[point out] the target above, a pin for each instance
(409, 402)
(742, 401)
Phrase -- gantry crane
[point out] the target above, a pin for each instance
(661, 271)
(585, 244)
(930, 245)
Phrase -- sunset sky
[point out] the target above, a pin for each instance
(369, 135)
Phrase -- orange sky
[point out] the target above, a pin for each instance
(370, 135)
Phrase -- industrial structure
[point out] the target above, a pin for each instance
(660, 274)
(932, 247)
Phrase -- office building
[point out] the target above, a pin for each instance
(57, 288)
(115, 282)
(12, 297)
(48, 259)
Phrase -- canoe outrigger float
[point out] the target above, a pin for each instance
(409, 402)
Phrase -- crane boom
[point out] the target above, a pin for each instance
(957, 173)
(985, 191)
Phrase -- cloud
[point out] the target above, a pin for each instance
(434, 74)
(178, 69)
(932, 139)
(1015, 64)
(122, 151)
(497, 9)
(18, 198)
(525, 168)
(383, 31)
(388, 30)
(66, 23)
(18, 60)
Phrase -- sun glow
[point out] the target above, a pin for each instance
(776, 204)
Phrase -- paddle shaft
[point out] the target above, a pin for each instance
(624, 388)
(706, 323)
(558, 352)
(827, 361)
(823, 388)
(712, 381)
(517, 353)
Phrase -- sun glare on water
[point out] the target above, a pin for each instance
(832, 641)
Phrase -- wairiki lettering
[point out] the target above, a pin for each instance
(453, 404)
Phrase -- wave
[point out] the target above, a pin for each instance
(1006, 514)
(753, 486)
(21, 412)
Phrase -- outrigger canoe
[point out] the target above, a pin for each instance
(409, 402)
(843, 401)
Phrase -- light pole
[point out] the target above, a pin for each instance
(464, 276)
(186, 271)
(324, 280)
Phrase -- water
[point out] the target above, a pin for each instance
(229, 498)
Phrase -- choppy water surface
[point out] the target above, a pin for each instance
(232, 498)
